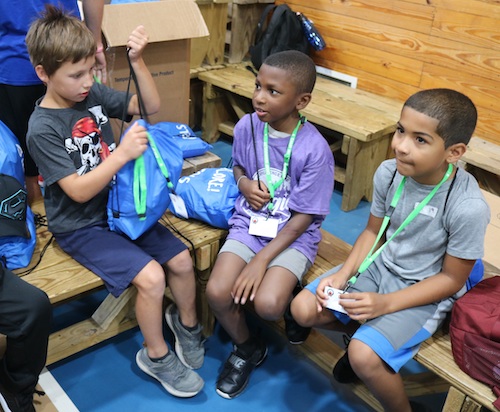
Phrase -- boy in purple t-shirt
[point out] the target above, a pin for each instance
(284, 170)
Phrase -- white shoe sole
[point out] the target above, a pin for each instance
(168, 388)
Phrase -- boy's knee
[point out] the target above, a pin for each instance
(151, 279)
(303, 309)
(181, 264)
(269, 309)
(362, 358)
(217, 294)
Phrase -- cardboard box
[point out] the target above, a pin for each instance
(170, 24)
(492, 239)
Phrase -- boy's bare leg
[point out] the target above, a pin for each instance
(150, 283)
(304, 309)
(227, 268)
(386, 385)
(182, 284)
(275, 293)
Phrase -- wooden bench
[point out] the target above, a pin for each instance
(482, 159)
(64, 279)
(464, 393)
(358, 124)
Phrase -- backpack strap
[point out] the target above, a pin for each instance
(263, 18)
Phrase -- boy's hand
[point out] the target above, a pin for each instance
(137, 42)
(366, 305)
(255, 197)
(334, 281)
(134, 143)
(248, 281)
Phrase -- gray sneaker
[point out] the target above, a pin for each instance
(188, 345)
(171, 373)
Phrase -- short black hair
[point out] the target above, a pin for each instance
(455, 112)
(299, 65)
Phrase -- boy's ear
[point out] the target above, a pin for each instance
(41, 73)
(303, 100)
(455, 152)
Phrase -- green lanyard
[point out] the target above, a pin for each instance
(286, 161)
(373, 255)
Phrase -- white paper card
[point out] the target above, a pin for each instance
(333, 301)
(262, 226)
(179, 205)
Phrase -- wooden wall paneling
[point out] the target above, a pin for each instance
(371, 59)
(397, 47)
(373, 83)
(401, 14)
(482, 91)
(483, 31)
(487, 8)
(410, 44)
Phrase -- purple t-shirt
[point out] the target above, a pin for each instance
(307, 187)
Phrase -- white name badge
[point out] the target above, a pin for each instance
(428, 210)
(262, 226)
(179, 205)
(333, 299)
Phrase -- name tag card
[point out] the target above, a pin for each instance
(263, 226)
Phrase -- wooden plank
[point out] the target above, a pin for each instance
(111, 307)
(335, 106)
(227, 128)
(401, 14)
(477, 7)
(385, 64)
(435, 354)
(206, 160)
(83, 335)
(397, 42)
(483, 154)
(483, 31)
(244, 21)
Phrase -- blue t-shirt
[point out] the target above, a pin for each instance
(15, 19)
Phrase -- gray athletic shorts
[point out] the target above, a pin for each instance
(290, 259)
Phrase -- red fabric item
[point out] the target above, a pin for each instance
(475, 333)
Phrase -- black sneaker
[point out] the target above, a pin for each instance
(343, 372)
(295, 333)
(236, 371)
(16, 402)
(419, 407)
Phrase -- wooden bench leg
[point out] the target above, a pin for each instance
(363, 158)
(215, 111)
(205, 259)
(456, 401)
(116, 315)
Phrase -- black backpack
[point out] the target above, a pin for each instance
(283, 32)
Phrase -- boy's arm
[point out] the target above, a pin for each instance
(248, 282)
(83, 188)
(432, 289)
(359, 251)
(136, 44)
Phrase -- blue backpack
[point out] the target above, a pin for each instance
(209, 195)
(184, 136)
(17, 222)
(139, 194)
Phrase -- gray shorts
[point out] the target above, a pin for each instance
(290, 259)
